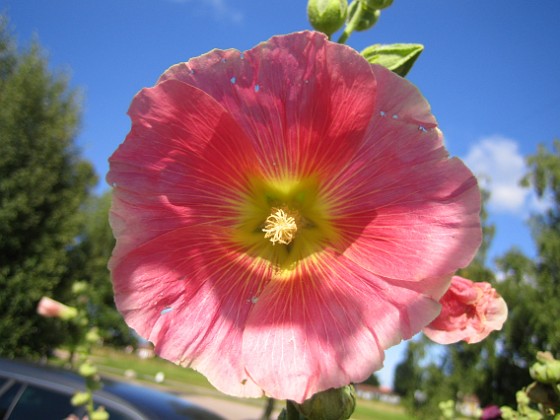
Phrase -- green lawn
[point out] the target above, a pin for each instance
(188, 381)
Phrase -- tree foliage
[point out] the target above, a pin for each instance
(544, 177)
(89, 264)
(43, 182)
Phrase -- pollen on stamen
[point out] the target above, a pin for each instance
(280, 227)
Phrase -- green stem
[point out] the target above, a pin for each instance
(351, 25)
(292, 412)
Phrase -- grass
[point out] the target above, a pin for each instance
(376, 410)
(113, 361)
(187, 381)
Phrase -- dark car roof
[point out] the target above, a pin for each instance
(138, 401)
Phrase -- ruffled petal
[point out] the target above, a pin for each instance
(470, 312)
(327, 327)
(190, 294)
(303, 101)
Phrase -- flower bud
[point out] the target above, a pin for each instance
(50, 308)
(327, 16)
(546, 370)
(447, 409)
(378, 4)
(87, 369)
(522, 398)
(92, 336)
(332, 404)
(100, 414)
(79, 287)
(368, 16)
(80, 398)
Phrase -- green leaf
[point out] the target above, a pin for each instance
(398, 58)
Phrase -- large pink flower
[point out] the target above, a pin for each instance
(284, 215)
(470, 311)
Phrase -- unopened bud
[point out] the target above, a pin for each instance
(100, 414)
(546, 370)
(327, 16)
(87, 369)
(447, 409)
(80, 398)
(378, 4)
(368, 16)
(79, 287)
(522, 398)
(92, 336)
(333, 404)
(50, 308)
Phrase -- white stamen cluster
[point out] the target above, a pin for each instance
(280, 227)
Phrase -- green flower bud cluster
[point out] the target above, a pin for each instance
(541, 399)
(546, 370)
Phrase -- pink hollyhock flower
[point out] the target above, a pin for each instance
(284, 215)
(50, 308)
(470, 311)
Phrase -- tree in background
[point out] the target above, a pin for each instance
(43, 183)
(544, 177)
(89, 264)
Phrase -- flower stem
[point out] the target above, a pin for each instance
(351, 25)
(292, 412)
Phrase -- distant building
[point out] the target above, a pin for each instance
(145, 350)
(377, 393)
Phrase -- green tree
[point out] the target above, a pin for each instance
(89, 264)
(43, 182)
(544, 177)
(373, 380)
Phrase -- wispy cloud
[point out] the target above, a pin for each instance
(220, 9)
(500, 166)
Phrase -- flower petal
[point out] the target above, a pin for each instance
(327, 327)
(190, 294)
(470, 312)
(180, 137)
(408, 211)
(304, 102)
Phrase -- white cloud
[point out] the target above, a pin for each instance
(220, 9)
(499, 166)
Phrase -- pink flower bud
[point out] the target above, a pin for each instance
(470, 312)
(50, 308)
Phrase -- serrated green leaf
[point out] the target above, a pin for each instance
(398, 58)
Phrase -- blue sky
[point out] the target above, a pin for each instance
(490, 71)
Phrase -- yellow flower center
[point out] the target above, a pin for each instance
(285, 211)
(280, 226)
